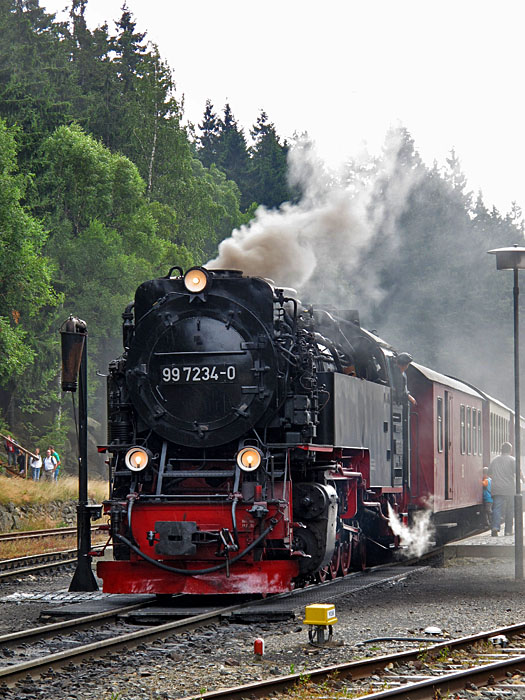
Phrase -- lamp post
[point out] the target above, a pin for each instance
(513, 258)
(74, 373)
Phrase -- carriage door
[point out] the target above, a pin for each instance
(448, 444)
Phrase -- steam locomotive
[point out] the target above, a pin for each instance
(256, 443)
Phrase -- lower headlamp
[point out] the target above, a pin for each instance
(137, 459)
(249, 458)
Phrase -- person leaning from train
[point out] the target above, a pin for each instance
(400, 377)
(502, 470)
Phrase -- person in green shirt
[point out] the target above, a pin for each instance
(56, 456)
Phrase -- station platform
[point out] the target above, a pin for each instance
(481, 546)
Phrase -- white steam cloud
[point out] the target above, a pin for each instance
(329, 229)
(419, 537)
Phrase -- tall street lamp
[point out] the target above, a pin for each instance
(513, 258)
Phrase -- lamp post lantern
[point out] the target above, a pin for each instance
(513, 258)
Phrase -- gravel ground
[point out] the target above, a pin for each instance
(462, 597)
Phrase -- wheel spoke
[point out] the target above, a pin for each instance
(336, 560)
(346, 557)
(323, 573)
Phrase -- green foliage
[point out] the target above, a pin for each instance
(16, 354)
(25, 274)
(36, 85)
(79, 178)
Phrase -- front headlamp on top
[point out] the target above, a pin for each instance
(196, 280)
(137, 459)
(249, 459)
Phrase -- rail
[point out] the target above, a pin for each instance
(382, 666)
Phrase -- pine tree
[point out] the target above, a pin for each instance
(129, 49)
(454, 175)
(207, 148)
(96, 102)
(36, 83)
(233, 157)
(268, 171)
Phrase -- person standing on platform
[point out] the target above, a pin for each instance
(487, 497)
(57, 457)
(502, 470)
(50, 464)
(11, 453)
(36, 465)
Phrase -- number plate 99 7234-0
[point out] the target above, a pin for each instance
(191, 374)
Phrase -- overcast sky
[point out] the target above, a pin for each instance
(452, 72)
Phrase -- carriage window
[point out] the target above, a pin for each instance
(480, 444)
(492, 432)
(462, 428)
(469, 430)
(474, 431)
(440, 424)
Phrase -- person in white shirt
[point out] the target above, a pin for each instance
(36, 464)
(50, 464)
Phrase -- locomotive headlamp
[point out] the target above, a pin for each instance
(196, 280)
(137, 459)
(249, 458)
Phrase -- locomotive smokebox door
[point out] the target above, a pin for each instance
(201, 372)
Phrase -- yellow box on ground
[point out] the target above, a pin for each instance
(319, 614)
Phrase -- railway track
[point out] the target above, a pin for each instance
(114, 639)
(36, 563)
(109, 641)
(60, 532)
(432, 671)
(37, 534)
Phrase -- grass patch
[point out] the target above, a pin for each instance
(28, 492)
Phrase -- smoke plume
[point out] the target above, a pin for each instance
(323, 236)
(419, 537)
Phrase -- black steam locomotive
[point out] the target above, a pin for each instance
(256, 443)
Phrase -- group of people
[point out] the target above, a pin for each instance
(47, 467)
(499, 488)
